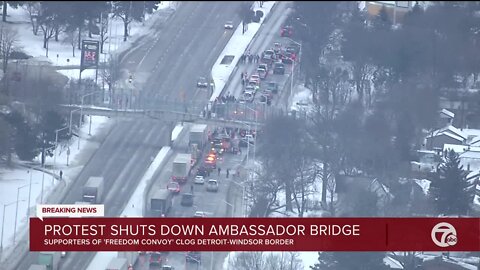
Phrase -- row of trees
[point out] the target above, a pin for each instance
(375, 90)
(77, 17)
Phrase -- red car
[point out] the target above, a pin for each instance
(287, 31)
(174, 187)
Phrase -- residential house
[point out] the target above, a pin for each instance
(346, 186)
(396, 10)
(448, 135)
(446, 118)
(469, 155)
(444, 263)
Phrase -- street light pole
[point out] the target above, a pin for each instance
(232, 206)
(81, 115)
(70, 125)
(16, 211)
(3, 224)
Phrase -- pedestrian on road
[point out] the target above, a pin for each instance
(219, 171)
(61, 175)
(191, 188)
(228, 172)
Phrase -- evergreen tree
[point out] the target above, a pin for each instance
(25, 138)
(449, 189)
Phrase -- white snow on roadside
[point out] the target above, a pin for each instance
(236, 47)
(176, 131)
(17, 181)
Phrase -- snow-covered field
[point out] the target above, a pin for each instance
(60, 52)
(17, 181)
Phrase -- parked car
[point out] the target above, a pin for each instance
(202, 82)
(193, 256)
(269, 54)
(187, 199)
(174, 187)
(249, 97)
(262, 73)
(212, 185)
(199, 180)
(279, 68)
(264, 99)
(287, 31)
(167, 267)
(293, 48)
(272, 86)
(200, 214)
(250, 89)
(263, 66)
(255, 78)
(229, 25)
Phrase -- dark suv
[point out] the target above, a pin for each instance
(279, 68)
(187, 199)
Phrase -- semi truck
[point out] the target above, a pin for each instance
(161, 202)
(117, 264)
(37, 267)
(198, 135)
(182, 164)
(50, 259)
(93, 190)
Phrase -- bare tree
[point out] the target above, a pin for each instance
(72, 39)
(33, 8)
(8, 40)
(303, 185)
(104, 21)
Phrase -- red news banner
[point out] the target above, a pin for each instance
(255, 234)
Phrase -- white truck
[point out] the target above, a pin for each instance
(37, 267)
(49, 259)
(161, 202)
(182, 164)
(198, 135)
(117, 264)
(93, 190)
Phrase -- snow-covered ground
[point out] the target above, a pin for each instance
(17, 181)
(176, 131)
(61, 54)
(237, 46)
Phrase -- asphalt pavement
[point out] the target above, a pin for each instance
(185, 47)
(214, 204)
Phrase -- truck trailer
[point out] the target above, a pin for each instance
(181, 167)
(50, 259)
(198, 135)
(161, 202)
(93, 190)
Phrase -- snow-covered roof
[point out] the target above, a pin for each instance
(475, 141)
(450, 261)
(424, 184)
(476, 200)
(457, 148)
(447, 113)
(392, 263)
(450, 131)
(471, 132)
(470, 154)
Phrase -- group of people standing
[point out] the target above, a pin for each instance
(250, 58)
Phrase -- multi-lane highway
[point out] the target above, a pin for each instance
(183, 49)
(217, 204)
(165, 65)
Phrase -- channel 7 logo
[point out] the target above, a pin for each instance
(447, 233)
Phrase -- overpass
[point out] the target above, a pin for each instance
(238, 116)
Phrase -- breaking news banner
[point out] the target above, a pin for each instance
(70, 210)
(255, 234)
